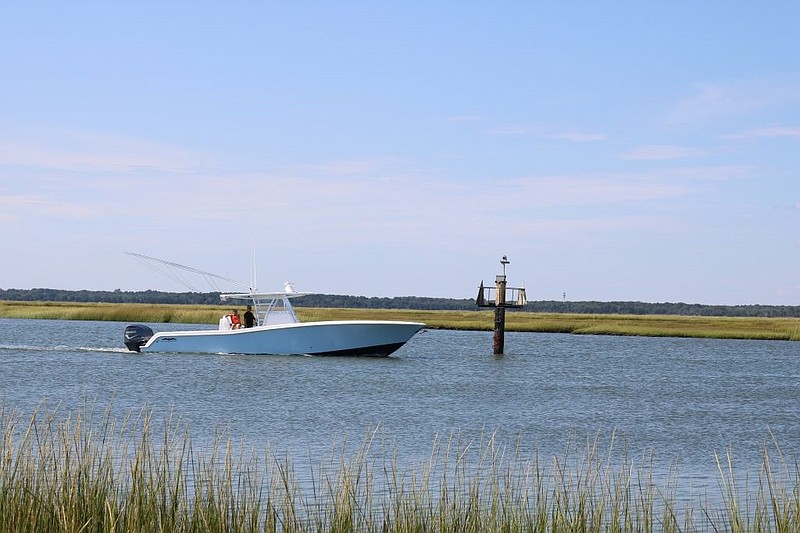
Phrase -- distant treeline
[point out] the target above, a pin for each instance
(406, 302)
(644, 308)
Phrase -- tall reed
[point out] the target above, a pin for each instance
(91, 472)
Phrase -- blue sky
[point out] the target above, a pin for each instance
(613, 150)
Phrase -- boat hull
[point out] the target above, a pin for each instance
(361, 338)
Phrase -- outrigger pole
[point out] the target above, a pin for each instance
(173, 272)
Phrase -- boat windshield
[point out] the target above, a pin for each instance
(277, 311)
(270, 308)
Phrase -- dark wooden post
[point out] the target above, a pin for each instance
(500, 315)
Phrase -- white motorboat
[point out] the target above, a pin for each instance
(276, 331)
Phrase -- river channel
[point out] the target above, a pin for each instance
(681, 400)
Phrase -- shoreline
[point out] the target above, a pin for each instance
(787, 329)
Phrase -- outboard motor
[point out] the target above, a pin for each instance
(136, 336)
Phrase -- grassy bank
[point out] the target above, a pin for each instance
(93, 473)
(643, 325)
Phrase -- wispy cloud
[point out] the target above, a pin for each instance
(521, 129)
(538, 131)
(594, 225)
(765, 133)
(663, 152)
(383, 209)
(716, 101)
(92, 152)
(19, 207)
(346, 168)
(578, 136)
(464, 118)
(400, 196)
(358, 203)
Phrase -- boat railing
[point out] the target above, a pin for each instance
(513, 297)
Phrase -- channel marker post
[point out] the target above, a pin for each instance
(501, 298)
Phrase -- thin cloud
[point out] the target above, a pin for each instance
(92, 152)
(578, 137)
(516, 130)
(464, 118)
(400, 197)
(716, 101)
(21, 207)
(345, 168)
(584, 225)
(576, 191)
(701, 174)
(764, 133)
(537, 131)
(453, 209)
(658, 152)
(385, 193)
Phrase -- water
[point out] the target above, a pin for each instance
(681, 399)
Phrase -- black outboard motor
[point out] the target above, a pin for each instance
(136, 335)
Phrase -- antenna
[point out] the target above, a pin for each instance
(253, 283)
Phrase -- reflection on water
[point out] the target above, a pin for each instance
(680, 399)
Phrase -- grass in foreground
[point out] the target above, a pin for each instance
(95, 473)
(642, 325)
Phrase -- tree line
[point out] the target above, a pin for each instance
(405, 302)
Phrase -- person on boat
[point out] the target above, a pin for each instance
(236, 323)
(249, 317)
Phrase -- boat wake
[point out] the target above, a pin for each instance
(61, 348)
(102, 350)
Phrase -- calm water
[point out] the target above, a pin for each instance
(683, 399)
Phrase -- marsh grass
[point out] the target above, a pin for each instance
(638, 325)
(90, 472)
(185, 314)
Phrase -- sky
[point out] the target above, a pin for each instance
(621, 150)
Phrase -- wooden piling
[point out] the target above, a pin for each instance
(500, 315)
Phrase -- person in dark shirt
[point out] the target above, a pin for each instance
(249, 317)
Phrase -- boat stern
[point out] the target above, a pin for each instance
(136, 336)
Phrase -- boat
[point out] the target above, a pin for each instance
(276, 330)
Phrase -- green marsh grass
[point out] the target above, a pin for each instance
(185, 314)
(91, 472)
(641, 325)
